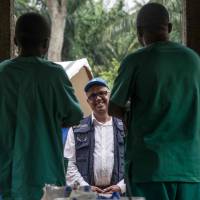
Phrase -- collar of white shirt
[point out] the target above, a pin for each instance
(95, 121)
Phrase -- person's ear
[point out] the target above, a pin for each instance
(169, 27)
(139, 32)
(45, 43)
(140, 35)
(44, 47)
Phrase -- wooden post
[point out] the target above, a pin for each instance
(191, 26)
(6, 29)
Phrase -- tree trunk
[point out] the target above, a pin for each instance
(57, 11)
(6, 29)
(191, 24)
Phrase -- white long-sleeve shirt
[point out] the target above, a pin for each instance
(103, 156)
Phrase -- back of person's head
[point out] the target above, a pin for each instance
(152, 17)
(31, 30)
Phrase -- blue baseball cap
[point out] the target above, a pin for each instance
(95, 81)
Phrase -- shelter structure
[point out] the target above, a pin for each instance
(79, 73)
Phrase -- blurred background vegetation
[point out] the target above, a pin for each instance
(93, 30)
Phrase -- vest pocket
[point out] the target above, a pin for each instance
(82, 141)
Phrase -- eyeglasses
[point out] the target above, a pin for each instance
(101, 94)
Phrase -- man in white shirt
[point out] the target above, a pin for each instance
(95, 148)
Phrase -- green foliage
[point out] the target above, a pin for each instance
(110, 75)
(103, 37)
(99, 35)
(23, 6)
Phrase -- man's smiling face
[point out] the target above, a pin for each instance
(98, 98)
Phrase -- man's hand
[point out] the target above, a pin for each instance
(111, 189)
(96, 189)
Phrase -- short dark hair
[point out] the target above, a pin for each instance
(31, 29)
(152, 16)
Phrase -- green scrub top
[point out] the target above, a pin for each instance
(36, 97)
(162, 81)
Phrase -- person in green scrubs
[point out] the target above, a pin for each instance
(161, 82)
(36, 98)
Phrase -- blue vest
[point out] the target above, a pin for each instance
(85, 143)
